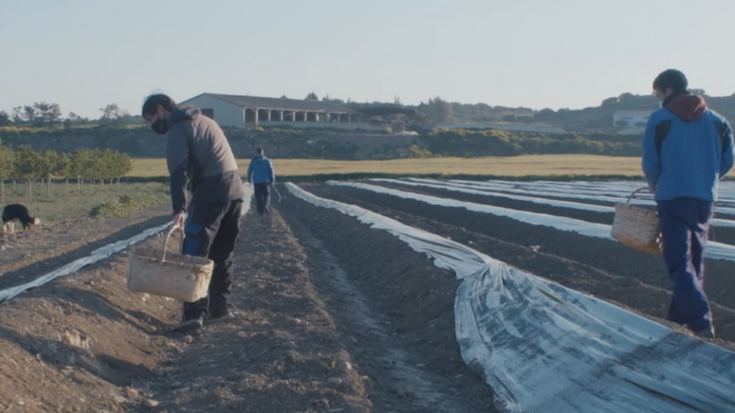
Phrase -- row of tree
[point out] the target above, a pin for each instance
(43, 114)
(83, 165)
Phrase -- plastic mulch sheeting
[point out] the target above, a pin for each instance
(545, 348)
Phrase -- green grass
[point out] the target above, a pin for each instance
(96, 200)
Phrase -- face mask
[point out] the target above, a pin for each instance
(160, 126)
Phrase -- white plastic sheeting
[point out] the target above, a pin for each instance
(100, 254)
(505, 192)
(715, 250)
(532, 199)
(545, 348)
(608, 192)
(96, 255)
(622, 188)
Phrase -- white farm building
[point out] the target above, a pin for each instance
(233, 111)
(631, 118)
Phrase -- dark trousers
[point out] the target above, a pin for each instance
(262, 192)
(684, 226)
(212, 231)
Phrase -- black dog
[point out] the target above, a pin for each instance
(20, 212)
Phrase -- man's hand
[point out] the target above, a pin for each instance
(179, 218)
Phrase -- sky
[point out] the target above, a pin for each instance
(87, 54)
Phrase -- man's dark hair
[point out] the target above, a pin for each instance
(259, 151)
(152, 102)
(672, 78)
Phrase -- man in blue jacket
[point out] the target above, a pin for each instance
(262, 175)
(687, 149)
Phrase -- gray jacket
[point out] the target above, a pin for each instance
(199, 159)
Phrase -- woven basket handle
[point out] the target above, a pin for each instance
(635, 192)
(165, 243)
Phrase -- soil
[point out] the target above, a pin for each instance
(330, 315)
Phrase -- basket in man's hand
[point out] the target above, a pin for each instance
(637, 227)
(182, 277)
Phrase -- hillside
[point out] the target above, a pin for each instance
(598, 118)
(285, 143)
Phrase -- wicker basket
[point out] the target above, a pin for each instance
(637, 227)
(182, 277)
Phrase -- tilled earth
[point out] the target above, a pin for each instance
(331, 316)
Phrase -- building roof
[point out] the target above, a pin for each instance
(279, 103)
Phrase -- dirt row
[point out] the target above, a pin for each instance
(331, 316)
(601, 268)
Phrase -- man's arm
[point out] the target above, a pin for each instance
(177, 159)
(273, 172)
(651, 160)
(727, 158)
(249, 174)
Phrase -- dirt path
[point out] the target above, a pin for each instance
(316, 330)
(331, 316)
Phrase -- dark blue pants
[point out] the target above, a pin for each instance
(262, 192)
(212, 231)
(684, 226)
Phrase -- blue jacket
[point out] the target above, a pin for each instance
(261, 170)
(687, 149)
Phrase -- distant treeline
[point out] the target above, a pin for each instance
(473, 143)
(28, 165)
(590, 119)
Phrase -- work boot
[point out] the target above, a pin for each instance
(190, 325)
(218, 309)
(221, 317)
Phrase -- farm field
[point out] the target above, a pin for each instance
(62, 200)
(517, 166)
(332, 315)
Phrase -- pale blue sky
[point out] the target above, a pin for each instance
(85, 54)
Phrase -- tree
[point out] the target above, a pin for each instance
(19, 115)
(46, 168)
(7, 163)
(326, 98)
(312, 96)
(30, 114)
(110, 113)
(62, 167)
(442, 110)
(47, 114)
(5, 119)
(74, 119)
(28, 165)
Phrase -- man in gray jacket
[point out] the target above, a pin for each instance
(201, 164)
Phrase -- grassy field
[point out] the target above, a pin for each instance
(68, 201)
(520, 166)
